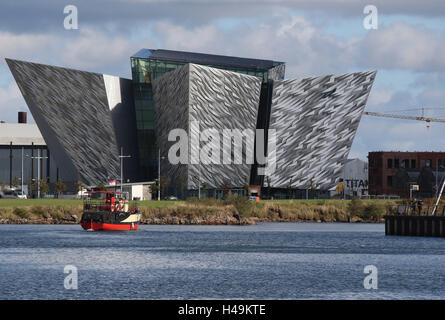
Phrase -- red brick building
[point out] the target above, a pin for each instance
(392, 173)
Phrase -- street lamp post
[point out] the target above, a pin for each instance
(159, 173)
(38, 171)
(23, 152)
(121, 157)
(437, 174)
(199, 182)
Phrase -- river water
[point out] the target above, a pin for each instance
(264, 261)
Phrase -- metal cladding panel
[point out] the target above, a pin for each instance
(216, 99)
(221, 100)
(121, 103)
(315, 121)
(171, 98)
(277, 73)
(71, 109)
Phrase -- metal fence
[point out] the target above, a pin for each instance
(414, 209)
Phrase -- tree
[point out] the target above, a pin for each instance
(246, 189)
(16, 182)
(44, 188)
(164, 185)
(225, 187)
(180, 185)
(60, 187)
(3, 185)
(312, 188)
(289, 189)
(154, 189)
(79, 186)
(32, 186)
(268, 186)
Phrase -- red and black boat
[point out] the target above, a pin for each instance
(109, 210)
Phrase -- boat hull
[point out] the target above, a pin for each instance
(110, 221)
(100, 226)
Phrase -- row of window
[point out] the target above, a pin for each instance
(144, 71)
(412, 163)
(405, 163)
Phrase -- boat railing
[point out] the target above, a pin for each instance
(101, 205)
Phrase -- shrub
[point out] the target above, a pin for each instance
(356, 207)
(243, 206)
(373, 210)
(55, 212)
(192, 200)
(37, 210)
(21, 213)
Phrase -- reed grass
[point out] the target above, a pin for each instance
(209, 210)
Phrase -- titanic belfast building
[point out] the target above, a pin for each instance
(88, 119)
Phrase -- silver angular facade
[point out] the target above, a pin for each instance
(86, 118)
(277, 73)
(74, 111)
(171, 99)
(215, 98)
(315, 121)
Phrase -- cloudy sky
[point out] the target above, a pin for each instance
(314, 37)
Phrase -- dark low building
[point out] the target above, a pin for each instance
(392, 173)
(24, 156)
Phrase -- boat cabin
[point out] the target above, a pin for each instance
(111, 201)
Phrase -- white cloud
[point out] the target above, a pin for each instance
(379, 96)
(33, 47)
(309, 50)
(9, 93)
(338, 7)
(22, 45)
(92, 49)
(11, 101)
(403, 46)
(206, 38)
(306, 49)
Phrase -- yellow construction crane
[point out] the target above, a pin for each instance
(419, 118)
(399, 116)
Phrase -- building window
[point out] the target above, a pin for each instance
(389, 181)
(428, 163)
(413, 164)
(405, 164)
(396, 163)
(389, 164)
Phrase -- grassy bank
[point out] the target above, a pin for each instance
(234, 210)
(8, 203)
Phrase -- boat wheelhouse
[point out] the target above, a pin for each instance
(110, 210)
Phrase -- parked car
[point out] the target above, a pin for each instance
(8, 195)
(22, 195)
(171, 198)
